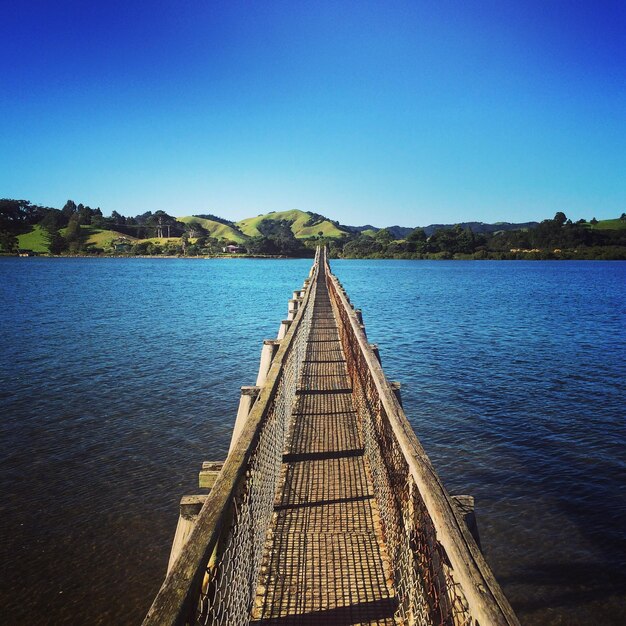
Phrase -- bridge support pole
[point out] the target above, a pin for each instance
(376, 351)
(292, 309)
(268, 352)
(284, 327)
(395, 387)
(248, 396)
(465, 508)
(208, 474)
(189, 509)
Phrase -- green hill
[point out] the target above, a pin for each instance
(303, 224)
(36, 240)
(102, 238)
(616, 224)
(215, 229)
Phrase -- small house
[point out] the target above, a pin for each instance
(233, 249)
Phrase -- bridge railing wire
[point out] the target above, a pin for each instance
(439, 574)
(214, 579)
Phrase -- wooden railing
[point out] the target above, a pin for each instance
(214, 578)
(440, 574)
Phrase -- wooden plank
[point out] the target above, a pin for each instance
(209, 473)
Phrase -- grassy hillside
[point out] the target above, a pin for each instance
(215, 229)
(36, 240)
(298, 219)
(102, 238)
(616, 224)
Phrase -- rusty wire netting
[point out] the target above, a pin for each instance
(231, 577)
(422, 576)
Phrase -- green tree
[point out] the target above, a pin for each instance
(195, 230)
(84, 214)
(97, 220)
(184, 242)
(69, 209)
(73, 234)
(8, 241)
(56, 242)
(383, 236)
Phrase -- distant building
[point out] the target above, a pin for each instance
(232, 249)
(24, 252)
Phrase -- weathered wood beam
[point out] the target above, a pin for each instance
(208, 474)
(190, 507)
(248, 396)
(465, 508)
(268, 352)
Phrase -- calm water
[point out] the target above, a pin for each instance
(119, 377)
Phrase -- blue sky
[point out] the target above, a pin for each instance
(369, 112)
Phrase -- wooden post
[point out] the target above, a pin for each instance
(284, 327)
(248, 396)
(208, 474)
(292, 309)
(189, 509)
(376, 351)
(269, 350)
(395, 387)
(465, 508)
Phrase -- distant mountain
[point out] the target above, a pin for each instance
(305, 224)
(361, 229)
(482, 227)
(400, 232)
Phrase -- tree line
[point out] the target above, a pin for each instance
(67, 230)
(558, 237)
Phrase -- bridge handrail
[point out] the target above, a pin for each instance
(177, 600)
(483, 600)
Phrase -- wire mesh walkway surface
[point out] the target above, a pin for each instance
(325, 561)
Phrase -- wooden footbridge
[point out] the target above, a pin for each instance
(327, 509)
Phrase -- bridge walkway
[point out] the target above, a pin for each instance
(325, 560)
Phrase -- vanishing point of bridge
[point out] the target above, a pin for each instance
(327, 509)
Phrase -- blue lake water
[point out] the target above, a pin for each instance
(118, 377)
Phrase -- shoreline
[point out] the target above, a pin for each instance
(281, 257)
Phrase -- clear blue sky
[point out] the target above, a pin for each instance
(370, 112)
